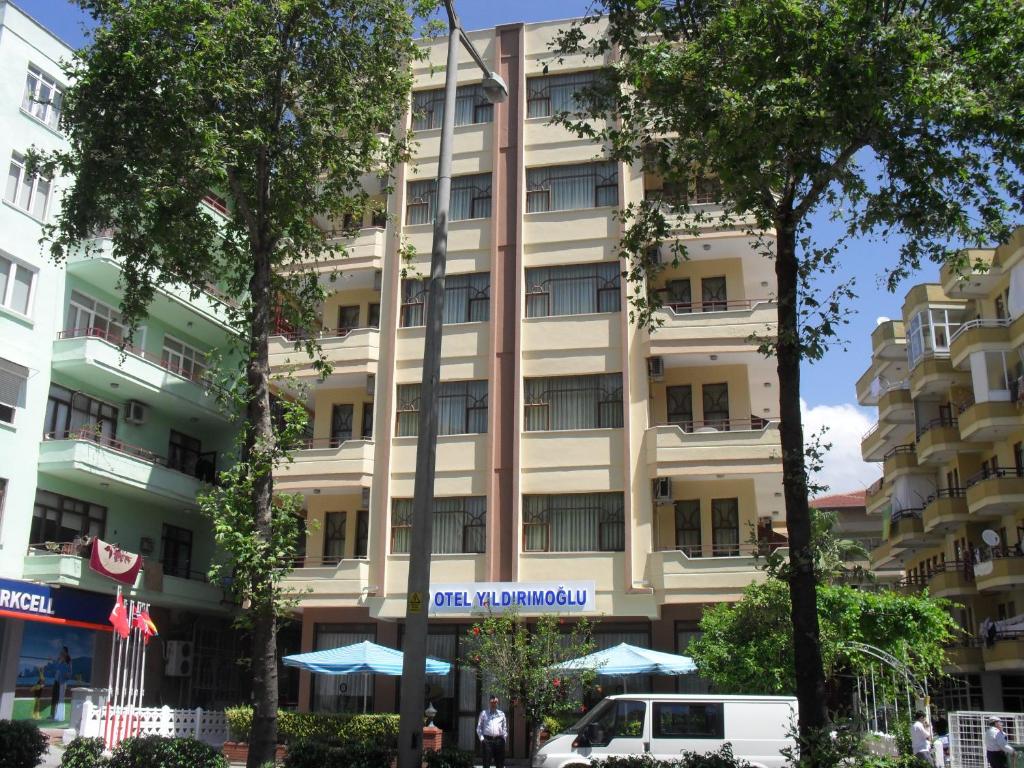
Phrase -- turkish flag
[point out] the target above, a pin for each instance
(145, 625)
(119, 617)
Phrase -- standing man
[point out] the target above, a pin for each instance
(492, 730)
(996, 744)
(921, 739)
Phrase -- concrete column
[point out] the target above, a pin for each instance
(11, 631)
(992, 691)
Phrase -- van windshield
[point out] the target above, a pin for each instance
(596, 711)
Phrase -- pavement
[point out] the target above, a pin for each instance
(52, 758)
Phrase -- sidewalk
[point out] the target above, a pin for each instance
(52, 758)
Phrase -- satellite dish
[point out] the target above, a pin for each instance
(984, 568)
(990, 537)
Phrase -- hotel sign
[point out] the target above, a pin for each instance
(524, 597)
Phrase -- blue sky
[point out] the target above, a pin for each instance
(828, 385)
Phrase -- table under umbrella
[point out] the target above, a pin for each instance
(365, 657)
(624, 659)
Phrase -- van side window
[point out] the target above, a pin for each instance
(623, 720)
(685, 720)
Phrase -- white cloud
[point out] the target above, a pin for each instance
(843, 469)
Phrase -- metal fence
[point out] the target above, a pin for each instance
(967, 736)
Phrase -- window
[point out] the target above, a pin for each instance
(471, 107)
(367, 433)
(30, 193)
(176, 551)
(342, 693)
(620, 719)
(467, 299)
(716, 405)
(678, 295)
(930, 331)
(88, 317)
(64, 519)
(687, 720)
(552, 94)
(688, 527)
(680, 406)
(17, 285)
(74, 415)
(373, 315)
(362, 533)
(576, 522)
(341, 423)
(725, 527)
(713, 297)
(574, 402)
(459, 525)
(707, 190)
(185, 454)
(348, 319)
(13, 378)
(335, 524)
(568, 187)
(573, 290)
(178, 357)
(462, 408)
(471, 199)
(43, 96)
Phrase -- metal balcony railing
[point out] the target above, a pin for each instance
(115, 337)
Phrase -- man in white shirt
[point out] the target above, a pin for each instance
(996, 744)
(492, 730)
(921, 739)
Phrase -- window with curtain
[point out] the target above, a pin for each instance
(335, 524)
(62, 518)
(573, 290)
(548, 95)
(43, 97)
(471, 107)
(341, 693)
(716, 405)
(471, 199)
(341, 423)
(688, 527)
(13, 384)
(725, 527)
(17, 285)
(574, 402)
(362, 533)
(462, 408)
(567, 187)
(678, 295)
(713, 296)
(574, 522)
(467, 299)
(680, 406)
(459, 525)
(29, 192)
(74, 415)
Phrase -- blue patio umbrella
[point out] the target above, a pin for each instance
(365, 657)
(625, 659)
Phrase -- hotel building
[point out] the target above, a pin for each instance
(947, 379)
(574, 446)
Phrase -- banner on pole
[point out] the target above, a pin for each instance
(114, 562)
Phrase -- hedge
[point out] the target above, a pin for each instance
(22, 744)
(369, 730)
(143, 752)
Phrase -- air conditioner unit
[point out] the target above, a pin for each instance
(366, 498)
(655, 368)
(662, 490)
(371, 384)
(178, 658)
(135, 412)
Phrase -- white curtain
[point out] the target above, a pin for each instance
(466, 299)
(459, 525)
(574, 402)
(551, 94)
(570, 187)
(471, 106)
(470, 199)
(340, 693)
(462, 408)
(725, 526)
(573, 290)
(1015, 305)
(577, 522)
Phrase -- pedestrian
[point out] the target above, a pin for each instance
(492, 730)
(996, 745)
(921, 739)
(61, 675)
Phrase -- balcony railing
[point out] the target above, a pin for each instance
(997, 322)
(299, 334)
(82, 549)
(900, 450)
(942, 421)
(754, 423)
(327, 442)
(947, 493)
(197, 374)
(198, 471)
(985, 474)
(875, 487)
(910, 513)
(871, 430)
(323, 561)
(713, 305)
(693, 551)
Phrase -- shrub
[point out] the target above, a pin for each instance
(635, 761)
(874, 761)
(22, 744)
(84, 753)
(164, 752)
(344, 729)
(449, 757)
(239, 722)
(322, 754)
(723, 758)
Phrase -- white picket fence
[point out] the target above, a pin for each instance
(208, 726)
(967, 736)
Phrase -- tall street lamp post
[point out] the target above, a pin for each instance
(410, 732)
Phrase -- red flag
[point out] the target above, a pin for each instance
(119, 617)
(145, 625)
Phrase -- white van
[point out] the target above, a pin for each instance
(664, 725)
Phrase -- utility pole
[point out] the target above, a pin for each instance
(410, 730)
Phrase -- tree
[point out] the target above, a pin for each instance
(283, 106)
(520, 662)
(896, 117)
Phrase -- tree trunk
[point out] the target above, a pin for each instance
(260, 435)
(810, 676)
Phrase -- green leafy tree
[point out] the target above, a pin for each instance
(747, 646)
(284, 107)
(897, 118)
(520, 662)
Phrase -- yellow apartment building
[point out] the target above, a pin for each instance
(947, 380)
(576, 450)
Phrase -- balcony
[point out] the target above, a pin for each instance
(1006, 574)
(327, 466)
(965, 658)
(953, 579)
(889, 340)
(876, 496)
(988, 335)
(901, 460)
(938, 441)
(352, 353)
(946, 511)
(977, 277)
(714, 327)
(329, 582)
(1006, 654)
(993, 493)
(698, 448)
(895, 403)
(708, 572)
(906, 530)
(363, 251)
(989, 421)
(934, 375)
(93, 356)
(65, 567)
(86, 457)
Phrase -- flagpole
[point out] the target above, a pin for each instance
(130, 692)
(114, 637)
(116, 688)
(125, 667)
(142, 664)
(140, 669)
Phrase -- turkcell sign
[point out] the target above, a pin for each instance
(25, 598)
(64, 605)
(524, 597)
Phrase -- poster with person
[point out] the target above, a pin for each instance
(53, 660)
